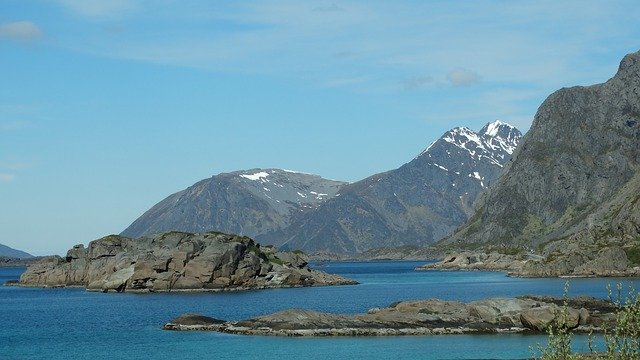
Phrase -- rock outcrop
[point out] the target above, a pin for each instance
(574, 178)
(424, 317)
(176, 261)
(570, 261)
(480, 261)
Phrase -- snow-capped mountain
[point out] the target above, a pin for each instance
(418, 203)
(576, 177)
(478, 155)
(251, 203)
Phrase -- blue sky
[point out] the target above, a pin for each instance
(106, 107)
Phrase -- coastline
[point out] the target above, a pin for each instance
(522, 315)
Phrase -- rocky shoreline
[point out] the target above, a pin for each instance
(606, 262)
(7, 261)
(176, 261)
(526, 315)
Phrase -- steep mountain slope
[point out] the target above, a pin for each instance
(13, 253)
(250, 203)
(418, 203)
(575, 175)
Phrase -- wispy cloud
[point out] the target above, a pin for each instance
(100, 9)
(512, 45)
(346, 81)
(462, 77)
(4, 177)
(20, 31)
(14, 125)
(417, 82)
(328, 8)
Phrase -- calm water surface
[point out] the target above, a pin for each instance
(75, 324)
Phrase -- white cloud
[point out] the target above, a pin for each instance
(20, 30)
(4, 177)
(393, 40)
(417, 82)
(463, 77)
(98, 9)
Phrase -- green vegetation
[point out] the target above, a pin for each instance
(633, 254)
(275, 260)
(255, 248)
(534, 225)
(621, 343)
(298, 252)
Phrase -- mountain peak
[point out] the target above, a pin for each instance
(494, 136)
(494, 128)
(501, 136)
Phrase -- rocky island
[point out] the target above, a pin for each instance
(176, 261)
(527, 314)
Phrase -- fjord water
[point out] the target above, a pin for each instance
(73, 323)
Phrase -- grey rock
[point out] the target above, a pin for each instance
(421, 317)
(176, 262)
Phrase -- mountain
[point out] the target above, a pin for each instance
(13, 253)
(418, 203)
(250, 203)
(575, 178)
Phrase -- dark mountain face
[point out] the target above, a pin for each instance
(418, 203)
(13, 253)
(251, 203)
(576, 173)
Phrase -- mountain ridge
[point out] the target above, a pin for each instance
(249, 202)
(13, 253)
(420, 202)
(576, 174)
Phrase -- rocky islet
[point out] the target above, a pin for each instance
(176, 261)
(527, 314)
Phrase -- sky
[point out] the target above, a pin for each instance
(107, 107)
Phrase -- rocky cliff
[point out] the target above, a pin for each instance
(575, 177)
(416, 204)
(250, 203)
(176, 261)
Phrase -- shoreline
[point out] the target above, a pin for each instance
(521, 315)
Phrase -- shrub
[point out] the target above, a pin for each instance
(621, 343)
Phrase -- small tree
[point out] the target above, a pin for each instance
(623, 341)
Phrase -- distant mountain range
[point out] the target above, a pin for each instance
(252, 202)
(13, 253)
(418, 203)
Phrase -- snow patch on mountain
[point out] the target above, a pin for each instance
(256, 176)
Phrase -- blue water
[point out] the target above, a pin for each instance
(73, 323)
